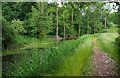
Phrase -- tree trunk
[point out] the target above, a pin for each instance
(105, 22)
(79, 25)
(64, 26)
(99, 24)
(87, 25)
(42, 19)
(57, 25)
(72, 18)
(72, 25)
(79, 30)
(94, 25)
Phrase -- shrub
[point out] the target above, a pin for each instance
(18, 26)
(8, 34)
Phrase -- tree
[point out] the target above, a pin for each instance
(40, 21)
(71, 29)
(16, 10)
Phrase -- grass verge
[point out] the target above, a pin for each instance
(106, 41)
(79, 63)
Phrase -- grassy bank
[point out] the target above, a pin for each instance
(42, 62)
(69, 58)
(79, 63)
(50, 60)
(106, 41)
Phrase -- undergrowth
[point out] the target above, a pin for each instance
(44, 61)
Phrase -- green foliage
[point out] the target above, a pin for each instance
(8, 34)
(16, 10)
(118, 42)
(24, 40)
(113, 17)
(17, 26)
(35, 27)
(39, 24)
(33, 22)
(108, 39)
(75, 65)
(74, 19)
(43, 62)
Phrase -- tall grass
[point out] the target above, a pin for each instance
(42, 62)
(49, 61)
(76, 65)
(106, 41)
(24, 42)
(30, 42)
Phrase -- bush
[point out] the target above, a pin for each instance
(8, 34)
(118, 40)
(18, 26)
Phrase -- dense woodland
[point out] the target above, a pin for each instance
(38, 26)
(41, 19)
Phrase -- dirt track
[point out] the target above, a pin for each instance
(104, 65)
